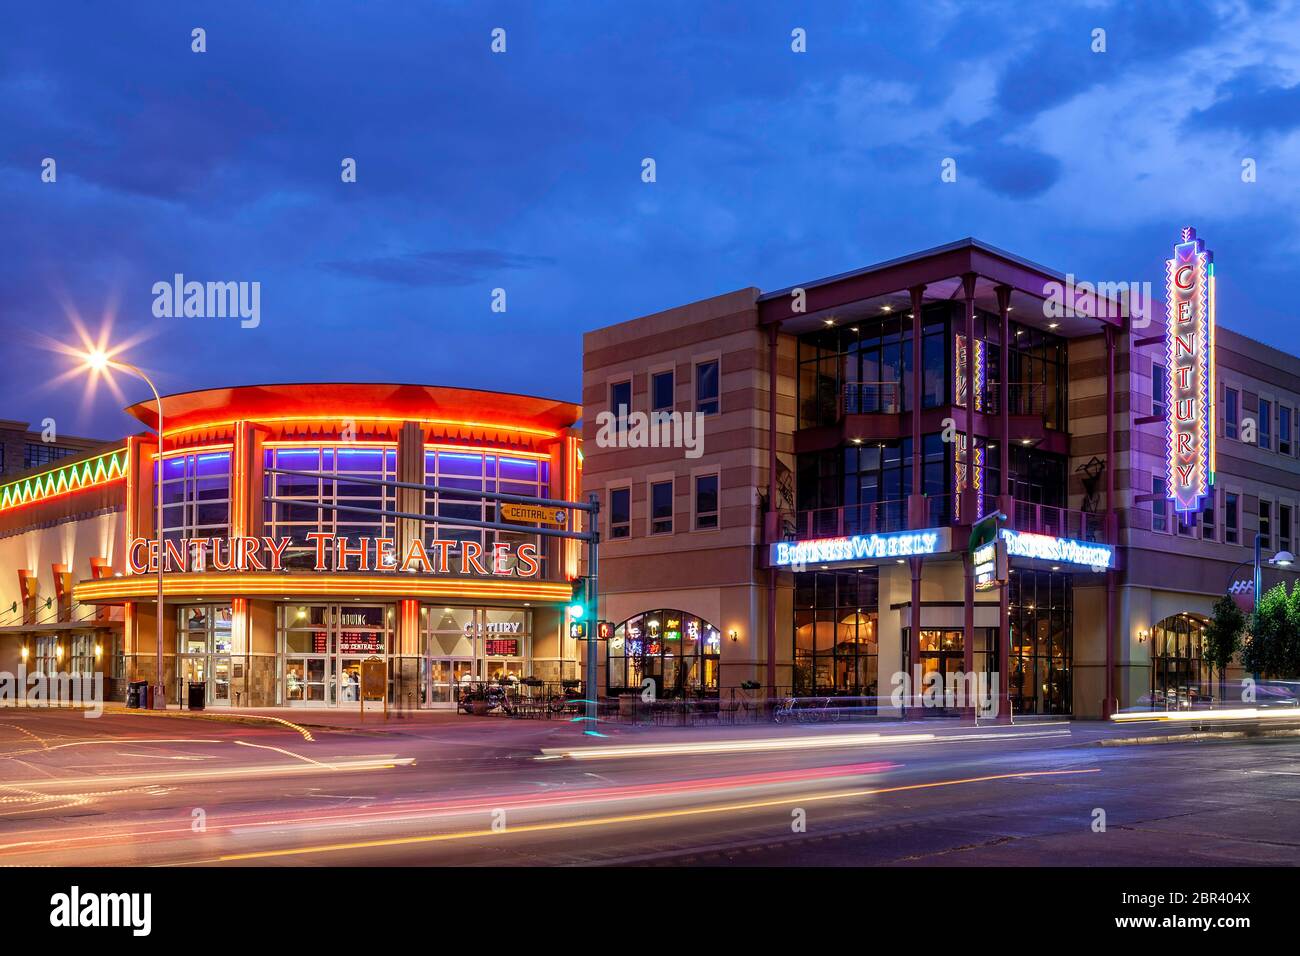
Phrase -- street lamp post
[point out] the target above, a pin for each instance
(98, 361)
(1281, 559)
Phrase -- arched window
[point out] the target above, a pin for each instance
(678, 650)
(1178, 672)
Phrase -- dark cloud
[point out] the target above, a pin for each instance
(1251, 104)
(1017, 172)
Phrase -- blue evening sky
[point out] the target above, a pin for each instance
(523, 170)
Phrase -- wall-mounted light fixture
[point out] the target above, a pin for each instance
(25, 652)
(99, 650)
(58, 652)
(1142, 636)
(734, 635)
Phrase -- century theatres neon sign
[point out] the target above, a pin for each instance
(335, 553)
(1189, 339)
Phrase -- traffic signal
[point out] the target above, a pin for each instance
(578, 630)
(577, 608)
(604, 630)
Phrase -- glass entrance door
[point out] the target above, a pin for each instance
(445, 675)
(941, 652)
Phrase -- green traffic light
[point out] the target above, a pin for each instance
(577, 611)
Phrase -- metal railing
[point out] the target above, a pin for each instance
(1058, 522)
(870, 398)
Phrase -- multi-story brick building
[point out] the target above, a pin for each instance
(848, 415)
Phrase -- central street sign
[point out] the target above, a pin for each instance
(538, 514)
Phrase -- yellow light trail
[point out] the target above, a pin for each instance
(814, 742)
(1237, 713)
(636, 817)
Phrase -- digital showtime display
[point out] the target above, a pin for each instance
(861, 547)
(1189, 299)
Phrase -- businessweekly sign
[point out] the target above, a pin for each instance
(861, 547)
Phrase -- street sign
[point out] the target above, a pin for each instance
(534, 514)
(604, 630)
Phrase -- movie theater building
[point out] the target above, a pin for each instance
(857, 427)
(273, 598)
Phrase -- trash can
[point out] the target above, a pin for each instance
(198, 694)
(136, 692)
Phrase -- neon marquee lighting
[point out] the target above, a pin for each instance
(78, 476)
(860, 547)
(1189, 301)
(1043, 547)
(260, 584)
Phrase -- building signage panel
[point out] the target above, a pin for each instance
(1043, 547)
(861, 547)
(1189, 299)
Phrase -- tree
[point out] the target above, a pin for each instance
(1270, 651)
(1223, 638)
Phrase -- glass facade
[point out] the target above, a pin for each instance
(679, 651)
(1179, 673)
(300, 511)
(836, 645)
(1040, 613)
(480, 471)
(321, 647)
(196, 495)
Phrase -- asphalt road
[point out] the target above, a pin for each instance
(143, 790)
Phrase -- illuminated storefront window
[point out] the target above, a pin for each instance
(321, 648)
(678, 651)
(1040, 612)
(836, 644)
(1179, 673)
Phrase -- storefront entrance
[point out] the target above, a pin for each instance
(203, 652)
(323, 646)
(445, 675)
